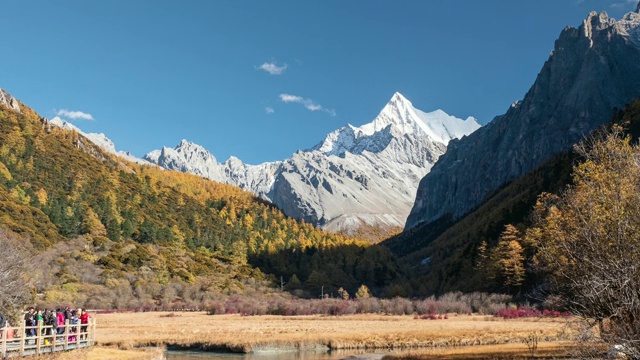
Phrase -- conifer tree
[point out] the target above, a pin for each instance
(91, 224)
(510, 261)
(344, 294)
(294, 283)
(363, 292)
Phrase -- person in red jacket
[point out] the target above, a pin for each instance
(60, 318)
(84, 322)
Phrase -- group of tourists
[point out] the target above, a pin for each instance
(53, 322)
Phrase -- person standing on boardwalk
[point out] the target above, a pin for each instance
(40, 323)
(84, 321)
(74, 321)
(60, 318)
(51, 321)
(3, 323)
(29, 322)
(39, 318)
(67, 314)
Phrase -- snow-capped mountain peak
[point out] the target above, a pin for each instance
(193, 151)
(438, 125)
(338, 141)
(366, 175)
(402, 118)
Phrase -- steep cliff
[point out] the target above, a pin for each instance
(592, 70)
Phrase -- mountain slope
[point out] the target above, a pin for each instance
(109, 233)
(447, 252)
(356, 177)
(593, 70)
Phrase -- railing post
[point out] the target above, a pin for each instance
(23, 336)
(66, 334)
(54, 337)
(78, 334)
(3, 350)
(38, 337)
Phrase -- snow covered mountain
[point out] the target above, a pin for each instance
(99, 139)
(357, 176)
(193, 158)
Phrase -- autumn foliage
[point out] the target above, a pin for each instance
(588, 239)
(110, 233)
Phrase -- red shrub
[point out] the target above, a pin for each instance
(521, 312)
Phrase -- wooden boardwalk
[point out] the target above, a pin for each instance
(14, 341)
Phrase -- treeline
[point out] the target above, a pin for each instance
(447, 252)
(313, 272)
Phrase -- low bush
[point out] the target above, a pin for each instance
(528, 312)
(429, 308)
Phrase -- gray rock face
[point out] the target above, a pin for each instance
(592, 70)
(9, 101)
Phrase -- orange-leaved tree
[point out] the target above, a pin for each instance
(588, 239)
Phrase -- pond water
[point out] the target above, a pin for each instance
(266, 355)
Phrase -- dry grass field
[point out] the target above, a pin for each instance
(458, 334)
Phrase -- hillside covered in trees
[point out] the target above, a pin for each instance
(105, 232)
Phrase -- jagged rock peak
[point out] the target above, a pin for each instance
(593, 70)
(187, 146)
(7, 100)
(596, 21)
(638, 8)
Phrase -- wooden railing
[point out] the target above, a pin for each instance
(40, 339)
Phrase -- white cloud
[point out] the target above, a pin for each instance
(624, 4)
(291, 98)
(74, 115)
(269, 110)
(307, 103)
(273, 68)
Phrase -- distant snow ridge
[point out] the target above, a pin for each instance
(99, 139)
(356, 176)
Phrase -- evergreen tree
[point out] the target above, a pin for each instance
(363, 292)
(91, 224)
(510, 261)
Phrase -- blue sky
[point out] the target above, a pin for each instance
(261, 79)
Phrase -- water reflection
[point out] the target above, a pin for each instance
(266, 355)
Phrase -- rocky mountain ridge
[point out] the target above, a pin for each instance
(357, 176)
(99, 139)
(593, 70)
(9, 101)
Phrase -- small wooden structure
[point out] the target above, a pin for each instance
(15, 342)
